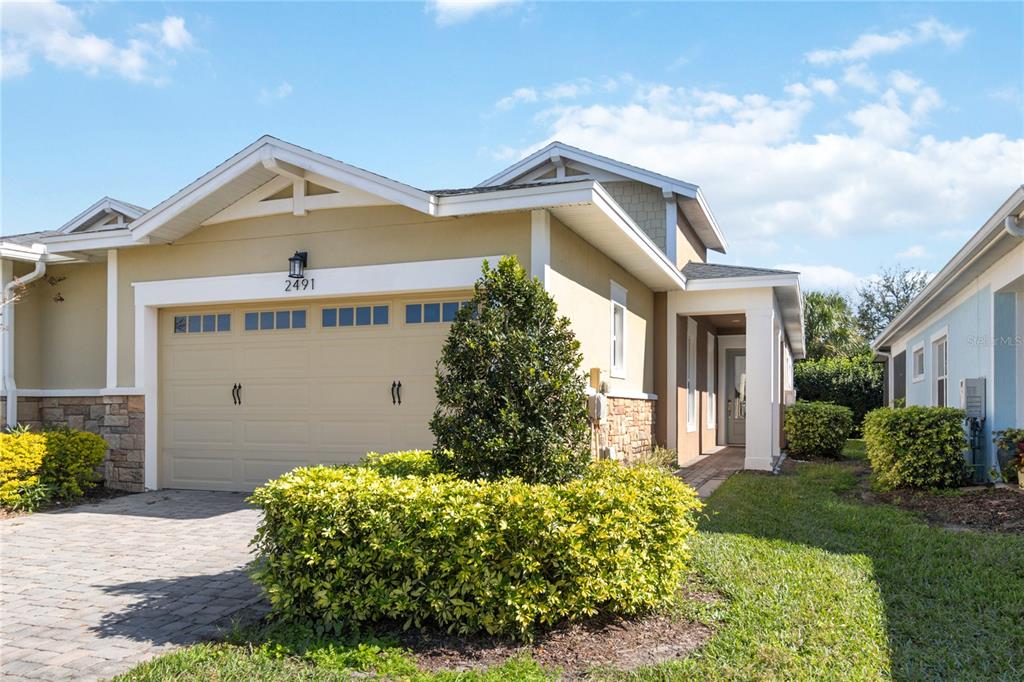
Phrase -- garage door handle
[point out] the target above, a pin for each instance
(394, 385)
(239, 394)
(399, 392)
(234, 394)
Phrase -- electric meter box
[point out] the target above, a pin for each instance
(972, 397)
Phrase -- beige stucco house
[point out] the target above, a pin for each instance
(178, 333)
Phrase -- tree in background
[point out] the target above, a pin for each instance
(831, 327)
(884, 297)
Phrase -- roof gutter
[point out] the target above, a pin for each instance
(7, 304)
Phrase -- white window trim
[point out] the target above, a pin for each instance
(712, 383)
(917, 378)
(691, 375)
(936, 340)
(618, 298)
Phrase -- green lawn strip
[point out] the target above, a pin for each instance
(855, 449)
(824, 587)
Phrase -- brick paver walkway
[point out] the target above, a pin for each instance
(89, 592)
(710, 471)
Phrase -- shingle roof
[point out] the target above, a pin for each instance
(499, 188)
(717, 271)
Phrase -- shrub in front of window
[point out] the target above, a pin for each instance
(344, 546)
(916, 447)
(815, 429)
(854, 382)
(510, 394)
(56, 464)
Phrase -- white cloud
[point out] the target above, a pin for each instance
(767, 175)
(1009, 94)
(825, 86)
(798, 90)
(859, 76)
(870, 45)
(280, 92)
(56, 33)
(519, 95)
(915, 252)
(823, 277)
(448, 12)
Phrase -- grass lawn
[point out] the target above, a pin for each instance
(816, 585)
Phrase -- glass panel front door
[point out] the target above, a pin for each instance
(736, 397)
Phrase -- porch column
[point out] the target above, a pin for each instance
(761, 351)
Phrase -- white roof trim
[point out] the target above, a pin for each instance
(267, 152)
(22, 252)
(975, 246)
(104, 205)
(685, 190)
(768, 280)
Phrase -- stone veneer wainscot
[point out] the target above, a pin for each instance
(629, 427)
(119, 419)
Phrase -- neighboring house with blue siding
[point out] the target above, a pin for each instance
(968, 323)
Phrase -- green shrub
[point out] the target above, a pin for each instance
(510, 393)
(56, 464)
(854, 382)
(916, 447)
(1010, 450)
(817, 429)
(21, 455)
(407, 463)
(71, 460)
(341, 546)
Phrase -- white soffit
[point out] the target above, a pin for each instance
(104, 206)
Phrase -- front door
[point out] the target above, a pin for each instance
(736, 397)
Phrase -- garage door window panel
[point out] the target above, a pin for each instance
(429, 313)
(269, 320)
(201, 324)
(354, 316)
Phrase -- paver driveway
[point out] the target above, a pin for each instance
(88, 592)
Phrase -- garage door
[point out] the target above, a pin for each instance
(315, 386)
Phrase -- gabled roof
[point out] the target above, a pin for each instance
(990, 243)
(106, 206)
(691, 199)
(259, 163)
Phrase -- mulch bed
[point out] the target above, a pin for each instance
(93, 496)
(614, 643)
(994, 509)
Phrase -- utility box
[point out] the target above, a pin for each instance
(972, 398)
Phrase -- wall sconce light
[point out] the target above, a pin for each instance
(297, 264)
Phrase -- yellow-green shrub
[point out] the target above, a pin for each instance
(405, 463)
(817, 429)
(21, 455)
(35, 467)
(71, 460)
(916, 447)
(349, 545)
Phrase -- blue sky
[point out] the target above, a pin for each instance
(831, 138)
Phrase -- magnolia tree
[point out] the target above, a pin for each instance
(511, 397)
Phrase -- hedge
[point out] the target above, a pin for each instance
(342, 546)
(56, 464)
(916, 447)
(817, 429)
(854, 382)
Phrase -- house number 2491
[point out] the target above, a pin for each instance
(299, 284)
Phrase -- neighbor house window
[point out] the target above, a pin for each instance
(941, 367)
(918, 363)
(618, 330)
(691, 375)
(204, 323)
(265, 320)
(712, 388)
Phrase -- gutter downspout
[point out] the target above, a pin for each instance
(1013, 226)
(10, 387)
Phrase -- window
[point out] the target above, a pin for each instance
(618, 330)
(941, 381)
(712, 389)
(691, 375)
(264, 320)
(202, 324)
(422, 313)
(918, 363)
(355, 316)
